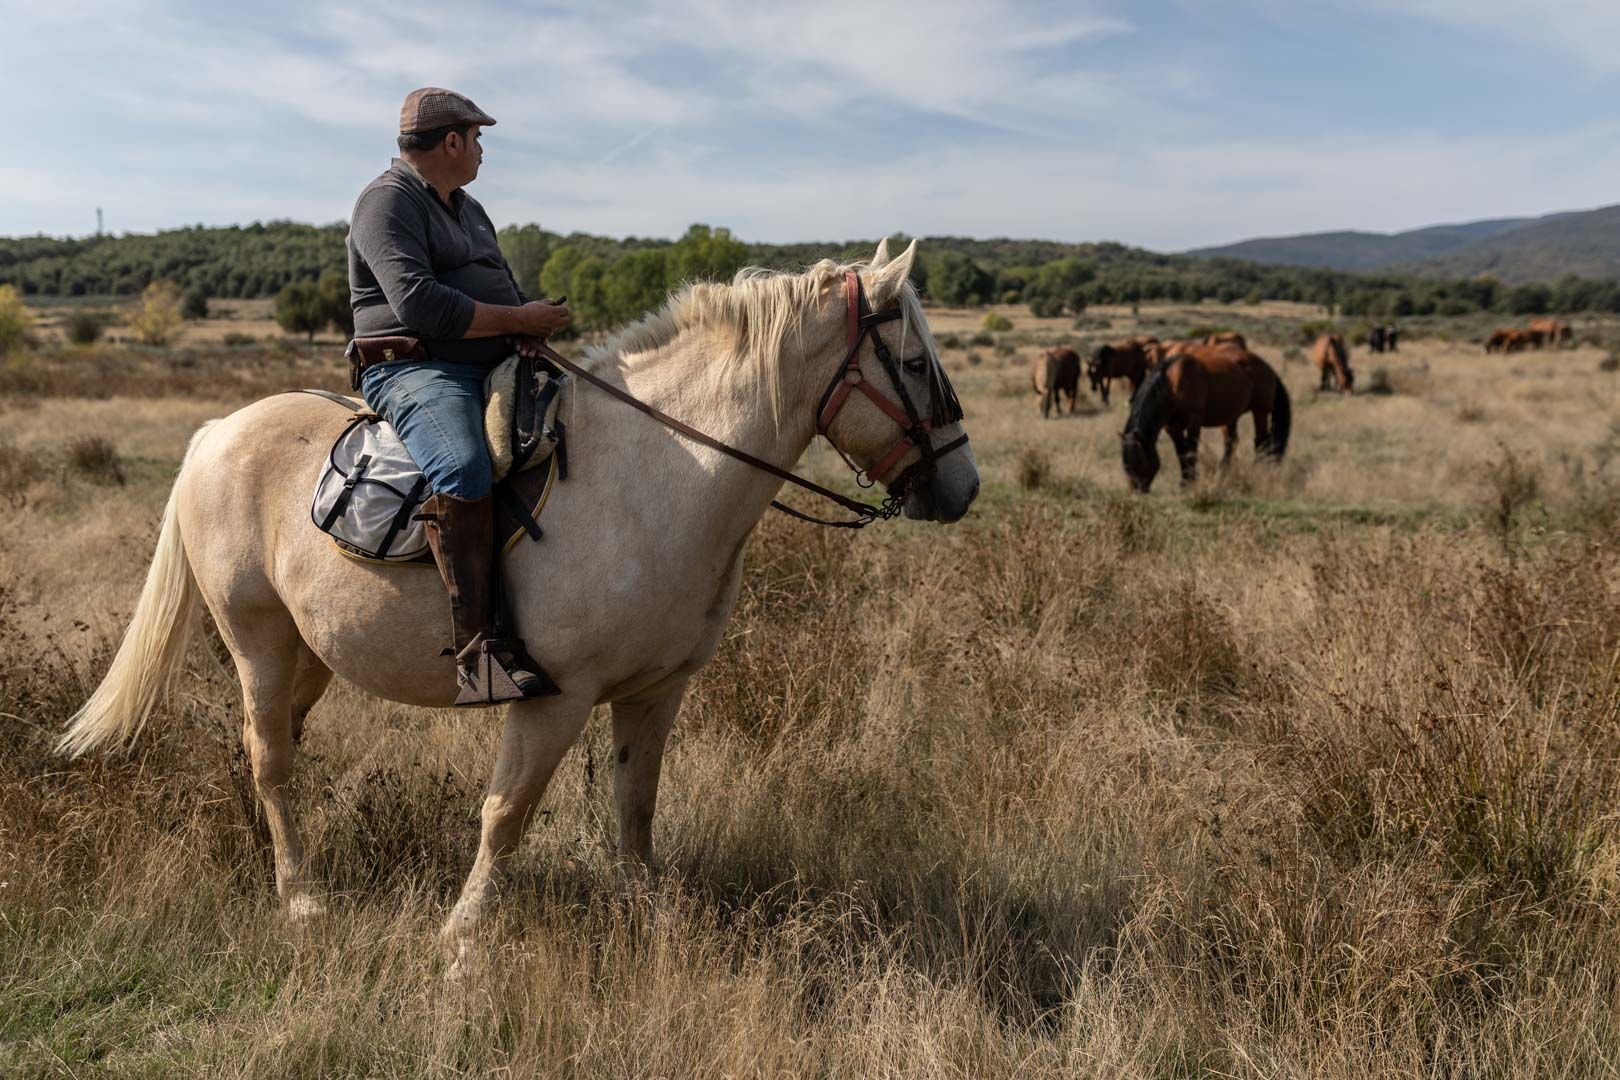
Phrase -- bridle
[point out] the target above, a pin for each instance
(862, 323)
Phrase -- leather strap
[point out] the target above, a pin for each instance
(867, 511)
(341, 503)
(403, 517)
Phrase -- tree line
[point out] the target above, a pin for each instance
(610, 280)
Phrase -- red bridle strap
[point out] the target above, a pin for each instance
(852, 379)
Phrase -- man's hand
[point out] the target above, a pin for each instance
(528, 346)
(541, 318)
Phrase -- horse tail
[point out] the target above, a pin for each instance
(154, 645)
(1282, 420)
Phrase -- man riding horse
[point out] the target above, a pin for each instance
(436, 307)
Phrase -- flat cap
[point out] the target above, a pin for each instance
(435, 107)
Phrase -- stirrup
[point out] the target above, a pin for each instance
(487, 680)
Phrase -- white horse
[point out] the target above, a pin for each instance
(625, 597)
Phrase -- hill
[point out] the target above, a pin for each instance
(609, 279)
(1362, 251)
(1585, 243)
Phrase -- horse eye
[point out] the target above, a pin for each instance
(917, 365)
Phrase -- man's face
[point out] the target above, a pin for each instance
(466, 153)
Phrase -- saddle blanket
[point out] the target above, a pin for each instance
(369, 489)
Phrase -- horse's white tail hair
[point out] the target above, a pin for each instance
(154, 646)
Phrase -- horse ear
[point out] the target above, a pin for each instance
(881, 259)
(884, 285)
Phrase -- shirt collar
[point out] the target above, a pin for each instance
(407, 170)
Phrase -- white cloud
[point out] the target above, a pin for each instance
(785, 122)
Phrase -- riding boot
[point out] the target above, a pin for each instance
(461, 533)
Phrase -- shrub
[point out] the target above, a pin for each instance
(1293, 355)
(236, 338)
(974, 359)
(1378, 382)
(1512, 485)
(982, 339)
(997, 322)
(158, 322)
(96, 458)
(949, 341)
(1610, 362)
(85, 327)
(195, 305)
(299, 310)
(332, 291)
(1034, 469)
(15, 320)
(18, 469)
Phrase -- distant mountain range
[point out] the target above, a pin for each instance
(1515, 250)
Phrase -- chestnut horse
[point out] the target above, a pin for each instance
(1332, 360)
(1129, 359)
(1204, 386)
(1556, 331)
(1056, 371)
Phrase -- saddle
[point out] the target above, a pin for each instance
(369, 489)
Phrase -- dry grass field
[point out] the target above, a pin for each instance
(1302, 771)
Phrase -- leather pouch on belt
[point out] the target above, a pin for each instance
(362, 353)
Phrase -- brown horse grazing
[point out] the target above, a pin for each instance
(1129, 359)
(1519, 340)
(1332, 360)
(1555, 331)
(1498, 340)
(1056, 371)
(1227, 337)
(1204, 386)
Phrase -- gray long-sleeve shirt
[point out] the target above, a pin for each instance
(416, 266)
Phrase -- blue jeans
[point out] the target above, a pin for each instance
(438, 410)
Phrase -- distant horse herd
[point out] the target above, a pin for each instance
(1183, 387)
(1539, 334)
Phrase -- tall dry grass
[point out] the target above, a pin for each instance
(1239, 781)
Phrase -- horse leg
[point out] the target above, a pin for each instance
(1186, 442)
(1105, 383)
(640, 729)
(266, 653)
(1230, 434)
(536, 735)
(1262, 433)
(309, 684)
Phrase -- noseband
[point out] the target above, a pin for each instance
(863, 324)
(945, 409)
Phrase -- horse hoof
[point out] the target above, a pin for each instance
(302, 910)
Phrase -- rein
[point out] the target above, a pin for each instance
(862, 324)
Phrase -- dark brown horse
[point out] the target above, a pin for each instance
(1204, 386)
(1056, 371)
(1332, 360)
(1128, 359)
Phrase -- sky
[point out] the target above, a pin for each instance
(1166, 125)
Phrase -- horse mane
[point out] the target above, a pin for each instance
(1148, 406)
(755, 313)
